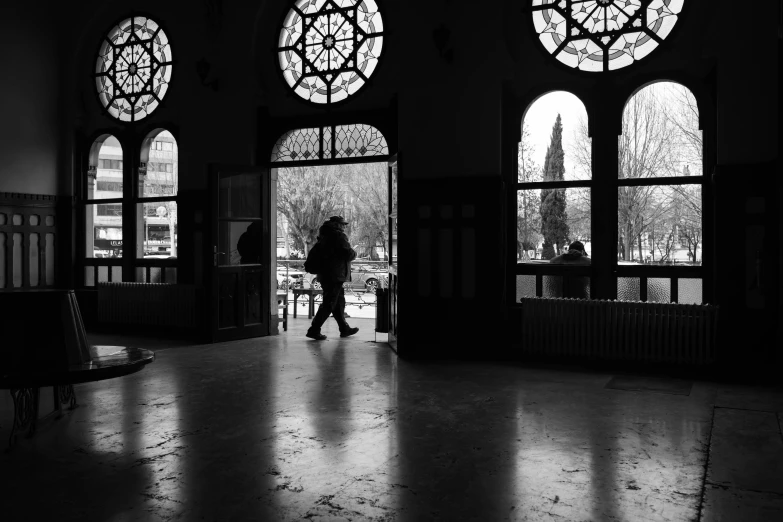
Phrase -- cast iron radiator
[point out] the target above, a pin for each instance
(160, 304)
(619, 330)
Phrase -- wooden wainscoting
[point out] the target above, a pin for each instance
(28, 241)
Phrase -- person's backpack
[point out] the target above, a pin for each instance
(312, 264)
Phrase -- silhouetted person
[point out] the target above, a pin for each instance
(335, 269)
(576, 255)
(249, 244)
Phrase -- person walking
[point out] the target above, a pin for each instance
(334, 270)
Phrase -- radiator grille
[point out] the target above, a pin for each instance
(151, 304)
(619, 330)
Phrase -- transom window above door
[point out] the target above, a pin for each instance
(133, 68)
(603, 35)
(328, 49)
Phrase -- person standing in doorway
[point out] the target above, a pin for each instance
(335, 269)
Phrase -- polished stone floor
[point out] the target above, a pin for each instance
(285, 428)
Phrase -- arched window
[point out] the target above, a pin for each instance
(603, 35)
(659, 193)
(157, 203)
(103, 208)
(130, 210)
(554, 183)
(328, 50)
(133, 68)
(333, 142)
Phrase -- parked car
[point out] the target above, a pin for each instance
(364, 277)
(289, 279)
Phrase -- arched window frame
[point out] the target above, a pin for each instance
(605, 104)
(542, 272)
(131, 266)
(528, 8)
(322, 145)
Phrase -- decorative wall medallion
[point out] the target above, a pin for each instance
(133, 68)
(603, 35)
(328, 49)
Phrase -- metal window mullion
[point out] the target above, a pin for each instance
(670, 180)
(675, 289)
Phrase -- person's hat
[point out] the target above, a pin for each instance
(338, 219)
(577, 245)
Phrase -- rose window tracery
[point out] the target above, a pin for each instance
(133, 68)
(329, 48)
(602, 35)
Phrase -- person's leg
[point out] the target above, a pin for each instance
(330, 297)
(339, 315)
(339, 309)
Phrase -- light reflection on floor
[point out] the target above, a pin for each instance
(286, 428)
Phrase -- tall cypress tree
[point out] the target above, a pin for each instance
(554, 225)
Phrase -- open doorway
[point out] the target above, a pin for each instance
(305, 197)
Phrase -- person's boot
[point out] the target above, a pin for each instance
(315, 333)
(347, 332)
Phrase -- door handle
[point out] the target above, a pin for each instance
(215, 255)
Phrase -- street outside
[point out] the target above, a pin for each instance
(357, 304)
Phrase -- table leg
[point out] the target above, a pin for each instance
(25, 412)
(295, 298)
(311, 307)
(64, 394)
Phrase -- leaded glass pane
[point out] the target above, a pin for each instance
(297, 145)
(552, 286)
(133, 68)
(526, 286)
(350, 141)
(628, 289)
(689, 291)
(327, 54)
(327, 142)
(659, 290)
(354, 141)
(89, 276)
(602, 35)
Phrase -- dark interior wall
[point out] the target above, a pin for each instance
(447, 63)
(29, 59)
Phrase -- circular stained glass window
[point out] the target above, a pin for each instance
(603, 35)
(133, 68)
(329, 48)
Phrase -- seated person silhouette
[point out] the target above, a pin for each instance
(576, 287)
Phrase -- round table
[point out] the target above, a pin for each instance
(107, 362)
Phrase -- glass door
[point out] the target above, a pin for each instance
(240, 267)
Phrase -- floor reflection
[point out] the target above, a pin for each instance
(286, 429)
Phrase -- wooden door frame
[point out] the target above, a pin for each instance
(214, 171)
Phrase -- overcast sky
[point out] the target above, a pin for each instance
(541, 116)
